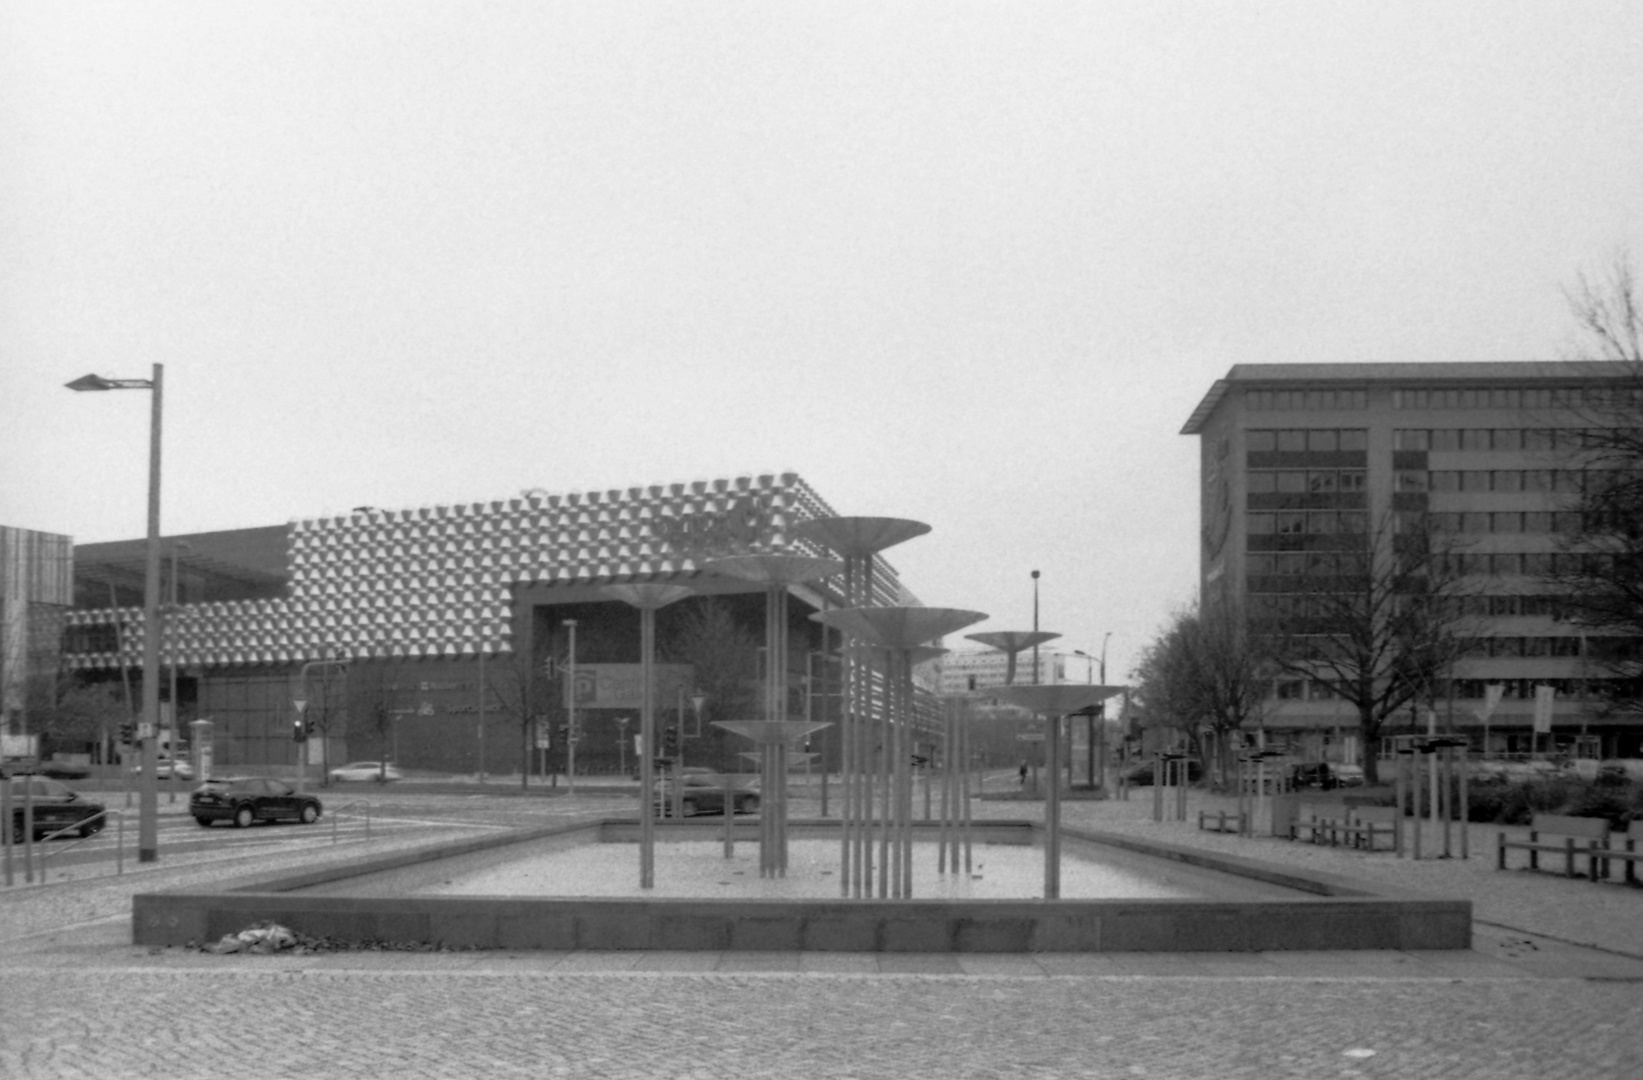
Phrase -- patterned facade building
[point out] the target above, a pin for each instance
(445, 622)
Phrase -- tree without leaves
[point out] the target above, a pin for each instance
(723, 654)
(1599, 572)
(1204, 669)
(1377, 625)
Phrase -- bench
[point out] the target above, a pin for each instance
(1577, 836)
(1358, 826)
(1630, 854)
(1221, 821)
(1317, 820)
(1364, 824)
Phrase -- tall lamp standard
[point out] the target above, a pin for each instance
(148, 809)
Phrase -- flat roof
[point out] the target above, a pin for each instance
(1446, 372)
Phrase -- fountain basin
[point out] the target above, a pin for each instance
(376, 900)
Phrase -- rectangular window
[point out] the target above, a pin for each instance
(1354, 440)
(1474, 523)
(1321, 482)
(1260, 524)
(1474, 480)
(1445, 480)
(1292, 482)
(1508, 480)
(1258, 565)
(1475, 439)
(1353, 480)
(1507, 521)
(1446, 439)
(1411, 480)
(1261, 442)
(1411, 439)
(1291, 441)
(1537, 438)
(1537, 521)
(1508, 438)
(1262, 483)
(1537, 480)
(1323, 441)
(1566, 522)
(1291, 524)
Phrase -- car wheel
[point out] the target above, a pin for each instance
(17, 830)
(687, 808)
(244, 816)
(310, 813)
(749, 805)
(91, 827)
(203, 822)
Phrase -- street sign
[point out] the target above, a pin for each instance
(301, 704)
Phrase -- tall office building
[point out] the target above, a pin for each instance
(1305, 464)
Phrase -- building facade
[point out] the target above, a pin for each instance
(963, 670)
(440, 637)
(35, 593)
(1301, 464)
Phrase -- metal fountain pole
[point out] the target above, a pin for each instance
(647, 598)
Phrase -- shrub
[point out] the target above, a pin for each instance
(1517, 802)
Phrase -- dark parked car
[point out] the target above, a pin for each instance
(64, 770)
(55, 807)
(1142, 773)
(246, 800)
(704, 793)
(1313, 774)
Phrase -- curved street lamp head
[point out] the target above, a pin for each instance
(97, 382)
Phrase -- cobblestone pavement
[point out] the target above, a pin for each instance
(81, 1001)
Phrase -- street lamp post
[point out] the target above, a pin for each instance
(148, 809)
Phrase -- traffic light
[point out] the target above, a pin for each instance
(299, 730)
(309, 729)
(126, 731)
(670, 740)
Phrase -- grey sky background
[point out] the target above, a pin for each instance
(969, 263)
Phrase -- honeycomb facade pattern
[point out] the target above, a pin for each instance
(442, 581)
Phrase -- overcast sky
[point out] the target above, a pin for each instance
(969, 263)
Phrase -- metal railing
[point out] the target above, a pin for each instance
(336, 814)
(29, 842)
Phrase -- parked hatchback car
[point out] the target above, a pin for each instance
(55, 806)
(1313, 774)
(246, 800)
(365, 770)
(703, 792)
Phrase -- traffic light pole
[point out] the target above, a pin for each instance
(303, 727)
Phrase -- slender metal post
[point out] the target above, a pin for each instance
(570, 713)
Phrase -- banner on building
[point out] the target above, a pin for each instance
(1545, 696)
(621, 686)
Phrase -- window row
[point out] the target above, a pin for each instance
(1315, 481)
(1499, 438)
(1566, 481)
(1550, 397)
(1304, 440)
(1444, 690)
(1307, 522)
(1270, 400)
(1488, 522)
(1305, 564)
